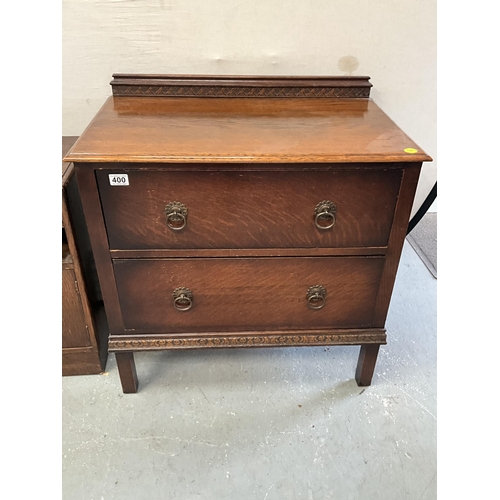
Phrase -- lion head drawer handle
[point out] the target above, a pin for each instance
(316, 297)
(176, 215)
(183, 298)
(325, 214)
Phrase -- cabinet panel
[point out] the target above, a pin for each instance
(74, 331)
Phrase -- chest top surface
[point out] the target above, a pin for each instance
(190, 129)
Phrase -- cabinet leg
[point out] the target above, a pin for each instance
(366, 364)
(126, 369)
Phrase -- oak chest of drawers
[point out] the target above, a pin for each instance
(245, 212)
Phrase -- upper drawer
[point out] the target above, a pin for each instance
(249, 209)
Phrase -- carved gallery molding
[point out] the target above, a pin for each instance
(377, 337)
(224, 91)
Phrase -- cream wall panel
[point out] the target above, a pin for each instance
(392, 41)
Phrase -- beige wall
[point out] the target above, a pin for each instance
(392, 41)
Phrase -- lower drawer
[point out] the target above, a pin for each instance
(246, 294)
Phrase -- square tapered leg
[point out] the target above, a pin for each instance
(126, 369)
(366, 364)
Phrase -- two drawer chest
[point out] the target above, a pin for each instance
(245, 212)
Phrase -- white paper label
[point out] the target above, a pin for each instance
(118, 179)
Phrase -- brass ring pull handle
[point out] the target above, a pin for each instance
(176, 215)
(325, 214)
(316, 297)
(183, 298)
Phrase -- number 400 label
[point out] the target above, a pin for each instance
(118, 179)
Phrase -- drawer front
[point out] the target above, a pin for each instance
(246, 294)
(241, 209)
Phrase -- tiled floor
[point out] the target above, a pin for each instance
(265, 423)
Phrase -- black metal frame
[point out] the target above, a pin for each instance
(423, 209)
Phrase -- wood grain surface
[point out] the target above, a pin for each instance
(91, 209)
(67, 143)
(128, 373)
(84, 326)
(244, 294)
(167, 253)
(396, 240)
(91, 359)
(367, 360)
(249, 209)
(74, 330)
(67, 259)
(169, 129)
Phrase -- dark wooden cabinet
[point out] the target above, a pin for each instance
(75, 331)
(84, 327)
(245, 212)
